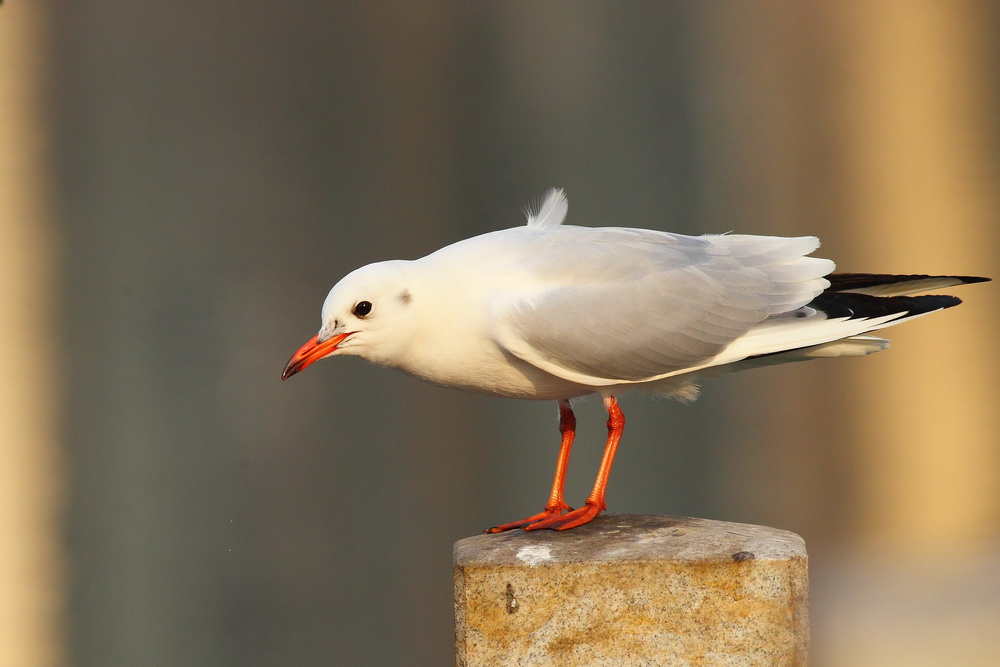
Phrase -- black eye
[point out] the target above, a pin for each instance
(362, 308)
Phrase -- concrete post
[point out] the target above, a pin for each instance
(633, 590)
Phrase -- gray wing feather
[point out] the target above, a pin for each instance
(624, 305)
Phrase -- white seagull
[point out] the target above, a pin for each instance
(553, 311)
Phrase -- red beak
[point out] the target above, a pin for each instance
(310, 352)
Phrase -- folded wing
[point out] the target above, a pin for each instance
(616, 305)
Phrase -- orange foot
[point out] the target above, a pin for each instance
(550, 513)
(575, 518)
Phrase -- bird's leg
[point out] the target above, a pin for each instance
(556, 504)
(595, 503)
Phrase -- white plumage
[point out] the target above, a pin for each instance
(553, 311)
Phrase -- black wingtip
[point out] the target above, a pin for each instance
(854, 305)
(849, 282)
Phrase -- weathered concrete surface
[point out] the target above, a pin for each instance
(633, 590)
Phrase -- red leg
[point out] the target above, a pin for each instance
(556, 504)
(595, 503)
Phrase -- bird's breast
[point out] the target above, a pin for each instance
(462, 294)
(476, 363)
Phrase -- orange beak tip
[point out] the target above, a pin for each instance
(313, 350)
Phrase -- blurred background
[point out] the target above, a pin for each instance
(182, 182)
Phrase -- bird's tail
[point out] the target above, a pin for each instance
(853, 305)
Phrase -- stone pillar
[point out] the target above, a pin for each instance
(633, 590)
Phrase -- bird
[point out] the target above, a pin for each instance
(550, 311)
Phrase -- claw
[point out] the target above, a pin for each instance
(572, 519)
(549, 513)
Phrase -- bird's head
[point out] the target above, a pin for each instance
(367, 314)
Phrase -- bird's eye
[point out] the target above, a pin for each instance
(362, 308)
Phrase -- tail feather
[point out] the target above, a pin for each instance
(835, 322)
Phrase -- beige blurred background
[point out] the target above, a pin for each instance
(181, 183)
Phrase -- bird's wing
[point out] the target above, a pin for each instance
(612, 305)
(887, 284)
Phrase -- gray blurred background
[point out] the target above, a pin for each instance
(182, 182)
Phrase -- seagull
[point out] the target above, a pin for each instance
(549, 311)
